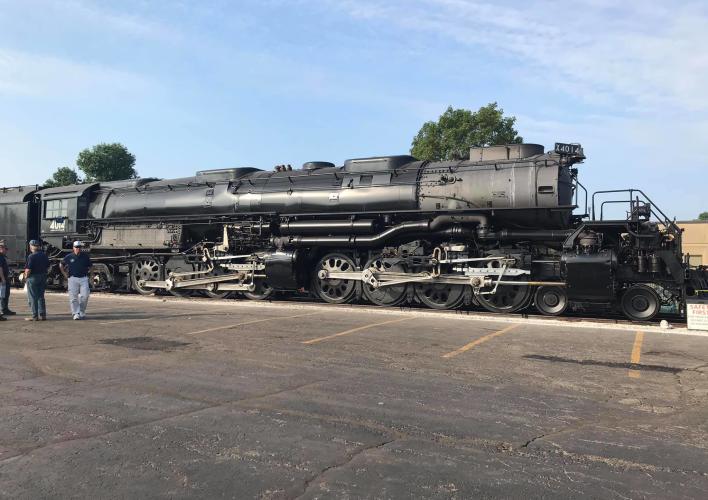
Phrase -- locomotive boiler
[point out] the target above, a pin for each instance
(499, 230)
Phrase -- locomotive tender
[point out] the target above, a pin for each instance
(497, 230)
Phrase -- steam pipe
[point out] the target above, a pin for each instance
(323, 228)
(433, 226)
(534, 235)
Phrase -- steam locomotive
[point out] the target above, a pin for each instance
(498, 231)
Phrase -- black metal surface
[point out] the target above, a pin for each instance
(18, 221)
(589, 276)
(281, 269)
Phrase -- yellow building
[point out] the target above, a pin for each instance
(695, 241)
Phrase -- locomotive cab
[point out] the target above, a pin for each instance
(64, 212)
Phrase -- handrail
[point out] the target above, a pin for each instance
(653, 208)
(608, 202)
(585, 206)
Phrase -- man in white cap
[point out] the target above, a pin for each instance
(75, 267)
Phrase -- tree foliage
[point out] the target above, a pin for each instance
(703, 216)
(64, 176)
(459, 129)
(107, 162)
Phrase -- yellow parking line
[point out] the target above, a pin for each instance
(226, 327)
(636, 355)
(480, 340)
(353, 330)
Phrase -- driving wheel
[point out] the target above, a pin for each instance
(182, 267)
(388, 295)
(263, 291)
(213, 291)
(144, 270)
(507, 299)
(335, 290)
(440, 295)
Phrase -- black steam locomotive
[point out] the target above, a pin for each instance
(497, 230)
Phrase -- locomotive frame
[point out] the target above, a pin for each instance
(498, 231)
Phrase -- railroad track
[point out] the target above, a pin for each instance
(599, 318)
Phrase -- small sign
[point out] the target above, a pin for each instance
(569, 149)
(697, 313)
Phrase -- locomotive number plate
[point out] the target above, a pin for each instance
(568, 149)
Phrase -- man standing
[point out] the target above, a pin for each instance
(4, 278)
(75, 267)
(5, 293)
(36, 277)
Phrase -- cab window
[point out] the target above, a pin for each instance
(54, 209)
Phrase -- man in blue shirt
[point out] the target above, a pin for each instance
(36, 276)
(75, 267)
(5, 292)
(4, 279)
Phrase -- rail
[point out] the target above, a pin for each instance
(578, 184)
(639, 205)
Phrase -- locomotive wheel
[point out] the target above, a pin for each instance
(440, 295)
(389, 295)
(214, 292)
(177, 292)
(263, 291)
(640, 303)
(144, 270)
(508, 299)
(551, 300)
(335, 291)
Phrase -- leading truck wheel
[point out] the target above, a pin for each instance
(551, 300)
(335, 290)
(640, 303)
(144, 270)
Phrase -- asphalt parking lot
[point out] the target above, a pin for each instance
(181, 398)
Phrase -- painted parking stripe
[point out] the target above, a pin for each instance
(262, 320)
(636, 355)
(479, 341)
(354, 330)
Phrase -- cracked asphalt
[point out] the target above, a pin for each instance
(176, 398)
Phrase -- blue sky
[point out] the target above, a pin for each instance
(197, 85)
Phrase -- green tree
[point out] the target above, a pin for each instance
(64, 176)
(459, 129)
(703, 216)
(107, 162)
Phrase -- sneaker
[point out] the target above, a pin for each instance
(3, 318)
(43, 318)
(33, 318)
(77, 317)
(9, 313)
